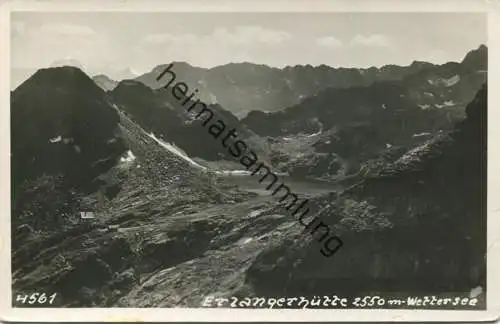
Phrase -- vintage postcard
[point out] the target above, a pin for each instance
(250, 160)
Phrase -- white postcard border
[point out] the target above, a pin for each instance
(492, 7)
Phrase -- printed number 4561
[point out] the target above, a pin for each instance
(36, 298)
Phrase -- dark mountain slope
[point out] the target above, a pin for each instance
(141, 103)
(63, 135)
(417, 227)
(243, 87)
(339, 131)
(19, 75)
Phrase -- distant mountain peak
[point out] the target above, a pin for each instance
(482, 47)
(61, 76)
(132, 83)
(477, 57)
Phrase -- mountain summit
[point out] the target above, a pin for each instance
(62, 124)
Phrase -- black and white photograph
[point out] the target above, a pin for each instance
(248, 160)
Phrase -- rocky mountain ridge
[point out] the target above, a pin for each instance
(166, 234)
(105, 82)
(245, 87)
(434, 193)
(339, 131)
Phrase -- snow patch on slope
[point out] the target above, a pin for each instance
(451, 81)
(447, 103)
(180, 153)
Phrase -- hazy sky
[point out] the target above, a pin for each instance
(108, 41)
